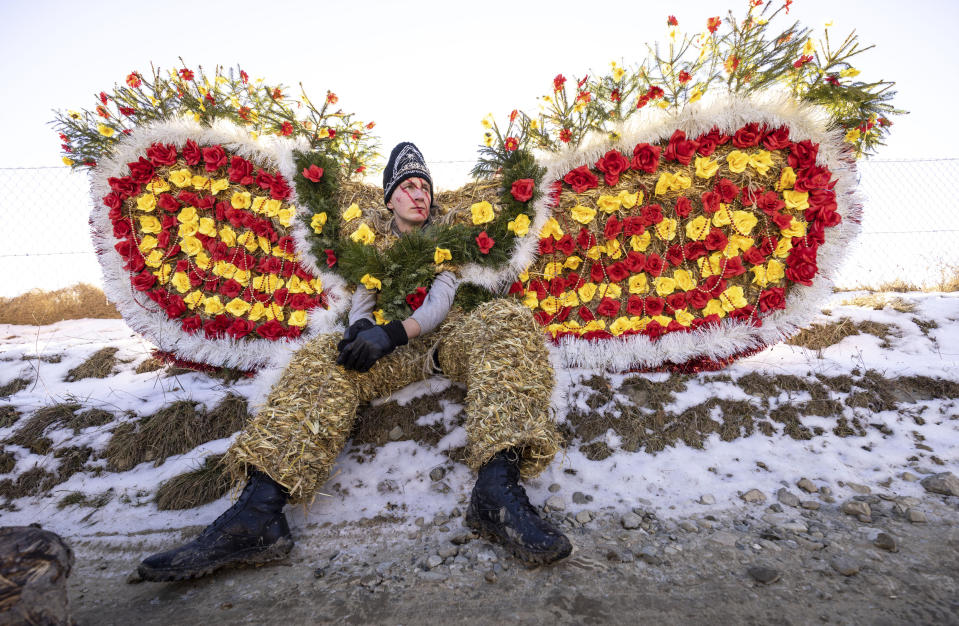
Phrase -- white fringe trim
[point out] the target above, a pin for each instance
(145, 316)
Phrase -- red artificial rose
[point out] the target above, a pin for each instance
(192, 153)
(715, 240)
(613, 228)
(231, 288)
(416, 298)
(770, 203)
(675, 255)
(801, 265)
(635, 262)
(144, 281)
(205, 203)
(802, 154)
(812, 178)
(585, 239)
(655, 264)
(214, 158)
(485, 242)
(556, 286)
(680, 148)
(608, 307)
(293, 332)
(217, 327)
(313, 173)
(522, 189)
(825, 215)
(612, 164)
(286, 244)
(163, 240)
(782, 221)
(125, 186)
(566, 245)
(115, 214)
(162, 154)
(767, 245)
(655, 305)
(192, 324)
(168, 203)
(581, 179)
(240, 171)
(280, 189)
(711, 201)
(777, 139)
(122, 229)
(653, 330)
(188, 198)
(714, 285)
(749, 196)
(683, 206)
(747, 136)
(708, 142)
(825, 198)
(634, 305)
(753, 256)
(547, 245)
(597, 273)
(816, 233)
(617, 272)
(126, 248)
(261, 228)
(676, 301)
(563, 315)
(240, 328)
(697, 298)
(515, 288)
(733, 267)
(772, 299)
(633, 226)
(573, 281)
(675, 327)
(651, 214)
(271, 330)
(542, 317)
(727, 190)
(182, 265)
(175, 306)
(113, 200)
(645, 158)
(539, 287)
(743, 314)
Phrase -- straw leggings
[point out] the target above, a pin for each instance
(497, 351)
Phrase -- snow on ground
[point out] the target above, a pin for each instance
(396, 480)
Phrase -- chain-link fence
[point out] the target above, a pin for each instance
(910, 222)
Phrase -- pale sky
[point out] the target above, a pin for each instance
(425, 71)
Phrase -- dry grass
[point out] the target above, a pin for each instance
(8, 416)
(949, 280)
(7, 462)
(879, 301)
(174, 429)
(30, 483)
(820, 336)
(149, 365)
(77, 498)
(90, 417)
(38, 307)
(30, 435)
(194, 488)
(374, 423)
(99, 365)
(14, 386)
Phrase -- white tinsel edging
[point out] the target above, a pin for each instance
(148, 318)
(730, 337)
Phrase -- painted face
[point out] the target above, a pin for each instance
(410, 203)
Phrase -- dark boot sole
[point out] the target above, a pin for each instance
(496, 534)
(252, 556)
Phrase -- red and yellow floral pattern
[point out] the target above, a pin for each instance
(681, 234)
(206, 235)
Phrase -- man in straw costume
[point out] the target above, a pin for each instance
(287, 450)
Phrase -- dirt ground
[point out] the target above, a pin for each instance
(826, 566)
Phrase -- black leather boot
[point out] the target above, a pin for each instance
(500, 511)
(253, 530)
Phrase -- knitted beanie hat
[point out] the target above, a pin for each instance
(406, 161)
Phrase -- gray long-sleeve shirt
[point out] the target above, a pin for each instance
(435, 308)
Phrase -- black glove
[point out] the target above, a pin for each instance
(354, 330)
(372, 344)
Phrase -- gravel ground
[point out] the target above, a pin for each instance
(796, 556)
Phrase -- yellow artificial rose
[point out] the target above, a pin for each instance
(181, 282)
(370, 282)
(285, 216)
(684, 317)
(666, 230)
(317, 284)
(148, 243)
(482, 212)
(295, 285)
(157, 185)
(664, 285)
(147, 202)
(228, 236)
(442, 254)
(550, 305)
(193, 299)
(787, 178)
(744, 222)
(379, 317)
(737, 161)
(240, 200)
(297, 318)
(723, 216)
(706, 167)
(672, 182)
(224, 269)
(775, 271)
(583, 214)
(714, 307)
(551, 229)
(710, 266)
(352, 213)
(586, 292)
(733, 298)
(207, 226)
(199, 182)
(629, 200)
(595, 252)
(519, 225)
(638, 283)
(684, 279)
(553, 269)
(613, 249)
(237, 307)
(797, 228)
(607, 204)
(242, 277)
(609, 290)
(697, 228)
(187, 229)
(67, 161)
(572, 262)
(569, 298)
(317, 222)
(150, 224)
(639, 243)
(759, 275)
(620, 325)
(662, 320)
(154, 259)
(595, 325)
(364, 234)
(761, 162)
(783, 247)
(187, 214)
(257, 311)
(264, 244)
(248, 240)
(202, 260)
(212, 305)
(267, 283)
(272, 207)
(181, 178)
(796, 200)
(274, 312)
(530, 299)
(163, 274)
(219, 185)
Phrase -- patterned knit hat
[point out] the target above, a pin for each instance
(406, 161)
